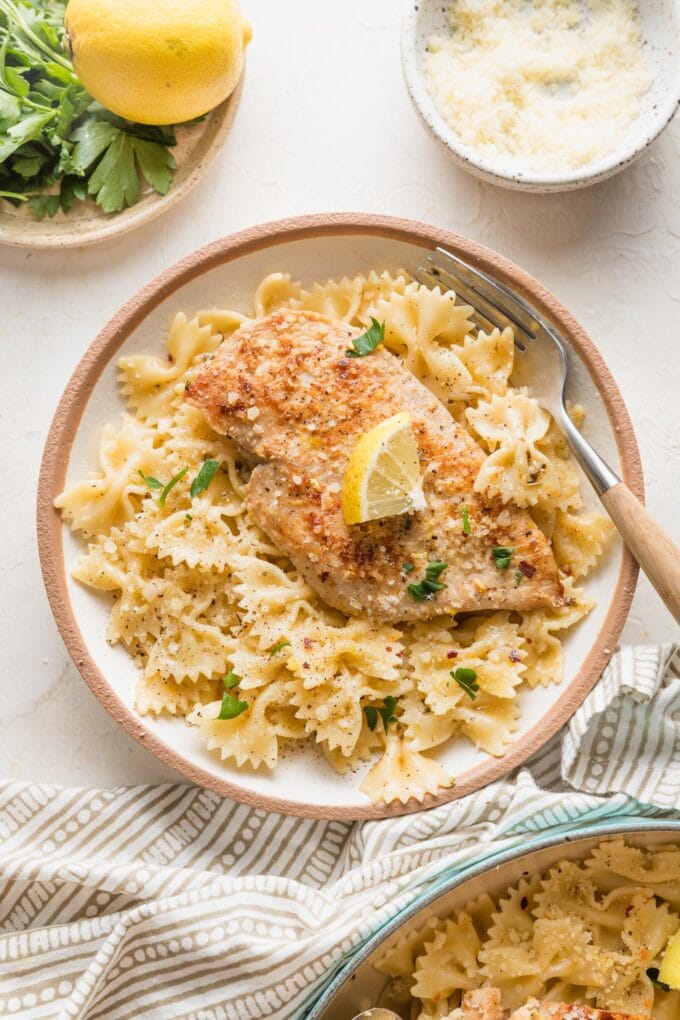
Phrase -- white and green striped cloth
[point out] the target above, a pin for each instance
(166, 902)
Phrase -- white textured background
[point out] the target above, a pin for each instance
(325, 124)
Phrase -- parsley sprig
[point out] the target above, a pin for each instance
(653, 975)
(430, 585)
(368, 341)
(204, 477)
(467, 526)
(231, 706)
(502, 554)
(278, 646)
(57, 145)
(385, 712)
(466, 680)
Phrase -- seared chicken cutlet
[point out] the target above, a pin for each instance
(479, 1004)
(295, 404)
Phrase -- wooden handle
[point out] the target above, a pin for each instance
(651, 547)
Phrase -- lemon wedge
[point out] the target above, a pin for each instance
(669, 972)
(383, 474)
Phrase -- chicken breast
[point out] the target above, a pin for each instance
(535, 1010)
(284, 390)
(479, 1004)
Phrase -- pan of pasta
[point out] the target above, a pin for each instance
(306, 539)
(583, 927)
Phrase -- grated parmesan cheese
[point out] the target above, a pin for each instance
(542, 86)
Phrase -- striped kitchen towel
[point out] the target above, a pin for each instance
(165, 902)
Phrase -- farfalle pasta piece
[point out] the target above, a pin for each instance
(578, 541)
(156, 695)
(338, 299)
(402, 774)
(376, 286)
(114, 494)
(449, 964)
(251, 738)
(368, 743)
(523, 466)
(427, 329)
(544, 660)
(658, 870)
(277, 290)
(151, 384)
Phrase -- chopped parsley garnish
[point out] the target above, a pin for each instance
(278, 646)
(150, 482)
(171, 485)
(466, 680)
(466, 520)
(231, 706)
(502, 554)
(203, 478)
(430, 585)
(386, 713)
(653, 975)
(368, 341)
(408, 567)
(518, 578)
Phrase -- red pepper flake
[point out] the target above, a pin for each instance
(307, 642)
(515, 656)
(388, 648)
(527, 568)
(452, 655)
(305, 665)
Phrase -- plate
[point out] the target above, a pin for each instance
(197, 146)
(359, 985)
(226, 273)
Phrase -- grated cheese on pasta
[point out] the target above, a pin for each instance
(542, 86)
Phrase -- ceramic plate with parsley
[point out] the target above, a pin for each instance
(71, 172)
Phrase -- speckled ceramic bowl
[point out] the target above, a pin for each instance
(660, 21)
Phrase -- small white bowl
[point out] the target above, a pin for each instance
(660, 23)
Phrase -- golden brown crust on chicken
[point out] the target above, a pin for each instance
(284, 390)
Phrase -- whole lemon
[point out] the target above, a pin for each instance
(157, 61)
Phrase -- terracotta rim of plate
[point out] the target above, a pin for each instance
(81, 232)
(65, 424)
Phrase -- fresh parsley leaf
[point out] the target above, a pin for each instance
(653, 975)
(430, 585)
(387, 712)
(156, 164)
(115, 182)
(203, 478)
(371, 713)
(92, 138)
(384, 712)
(466, 680)
(231, 707)
(518, 578)
(188, 518)
(278, 646)
(408, 567)
(150, 482)
(467, 528)
(171, 485)
(502, 554)
(368, 341)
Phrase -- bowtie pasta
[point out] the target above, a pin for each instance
(590, 931)
(200, 592)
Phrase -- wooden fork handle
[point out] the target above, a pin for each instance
(658, 556)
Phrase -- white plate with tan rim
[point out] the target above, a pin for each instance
(197, 146)
(360, 986)
(226, 273)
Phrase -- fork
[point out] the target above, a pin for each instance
(545, 357)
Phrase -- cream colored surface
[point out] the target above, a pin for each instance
(611, 254)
